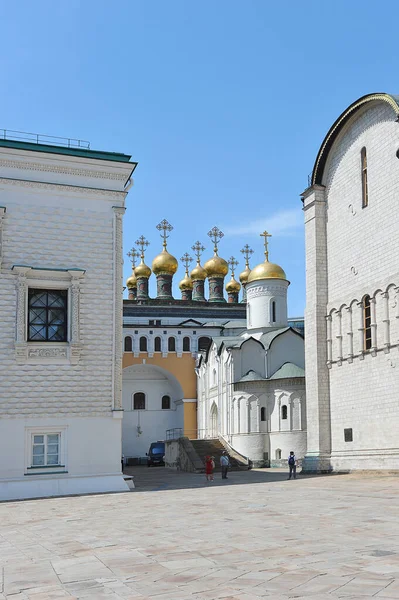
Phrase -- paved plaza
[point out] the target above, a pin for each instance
(253, 536)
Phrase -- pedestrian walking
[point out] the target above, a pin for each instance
(292, 463)
(224, 463)
(209, 466)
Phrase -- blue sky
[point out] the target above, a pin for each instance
(223, 103)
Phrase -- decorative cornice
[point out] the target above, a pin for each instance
(31, 166)
(59, 187)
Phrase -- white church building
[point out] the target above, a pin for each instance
(352, 291)
(251, 381)
(61, 209)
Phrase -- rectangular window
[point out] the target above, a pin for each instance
(46, 450)
(47, 315)
(158, 322)
(367, 322)
(365, 191)
(348, 435)
(151, 322)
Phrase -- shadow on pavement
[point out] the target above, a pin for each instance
(156, 479)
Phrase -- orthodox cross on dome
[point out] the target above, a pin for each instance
(216, 235)
(247, 251)
(186, 260)
(198, 249)
(133, 255)
(142, 243)
(233, 263)
(164, 226)
(266, 235)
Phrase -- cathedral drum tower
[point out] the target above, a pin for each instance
(142, 272)
(186, 284)
(216, 269)
(131, 282)
(232, 287)
(266, 290)
(164, 266)
(198, 275)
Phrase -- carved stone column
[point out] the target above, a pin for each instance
(22, 317)
(2, 213)
(350, 334)
(118, 316)
(386, 321)
(329, 340)
(373, 326)
(75, 345)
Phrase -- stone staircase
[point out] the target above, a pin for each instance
(214, 447)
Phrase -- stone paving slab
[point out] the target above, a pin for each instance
(175, 536)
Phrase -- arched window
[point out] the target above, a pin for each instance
(186, 344)
(365, 192)
(157, 344)
(203, 344)
(172, 344)
(273, 311)
(278, 454)
(367, 322)
(128, 344)
(263, 414)
(143, 344)
(284, 411)
(165, 402)
(139, 401)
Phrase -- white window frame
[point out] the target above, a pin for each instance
(48, 279)
(30, 433)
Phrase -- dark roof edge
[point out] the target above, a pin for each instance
(81, 152)
(336, 128)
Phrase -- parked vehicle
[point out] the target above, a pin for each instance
(156, 454)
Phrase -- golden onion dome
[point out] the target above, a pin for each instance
(186, 283)
(244, 275)
(131, 282)
(266, 270)
(142, 270)
(216, 267)
(198, 273)
(164, 263)
(233, 285)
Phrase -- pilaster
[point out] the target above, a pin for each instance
(118, 303)
(318, 454)
(2, 213)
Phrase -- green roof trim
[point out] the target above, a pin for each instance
(251, 376)
(288, 371)
(49, 149)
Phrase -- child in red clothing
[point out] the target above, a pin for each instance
(209, 466)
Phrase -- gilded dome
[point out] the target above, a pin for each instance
(131, 282)
(233, 285)
(198, 273)
(142, 270)
(266, 270)
(244, 275)
(216, 267)
(186, 283)
(164, 263)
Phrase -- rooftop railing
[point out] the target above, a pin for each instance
(39, 138)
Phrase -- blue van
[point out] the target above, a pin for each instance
(156, 454)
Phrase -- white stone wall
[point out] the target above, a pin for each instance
(359, 257)
(142, 427)
(63, 213)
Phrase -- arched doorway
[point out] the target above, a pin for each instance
(213, 422)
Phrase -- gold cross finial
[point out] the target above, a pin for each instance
(233, 263)
(266, 235)
(186, 260)
(133, 255)
(164, 226)
(142, 244)
(247, 251)
(216, 235)
(198, 249)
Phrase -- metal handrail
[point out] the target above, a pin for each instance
(41, 138)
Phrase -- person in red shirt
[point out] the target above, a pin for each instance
(209, 466)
